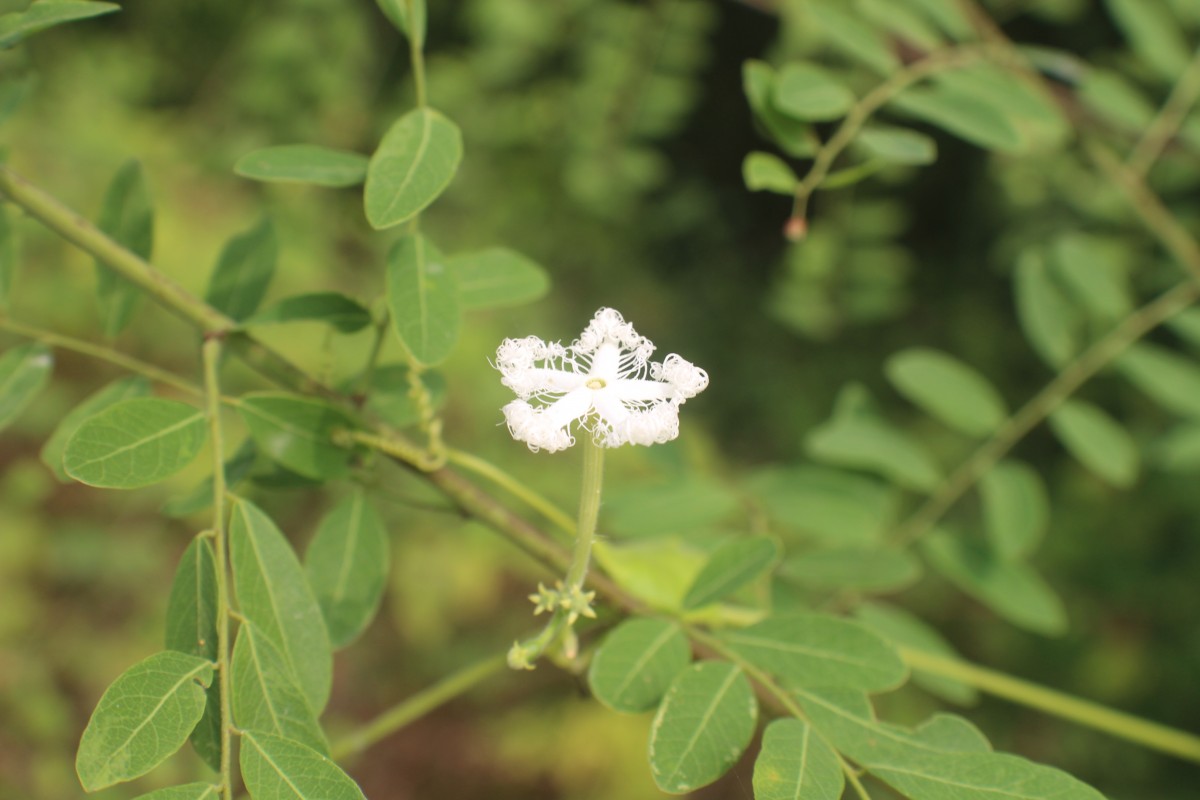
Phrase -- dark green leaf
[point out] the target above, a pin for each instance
(275, 768)
(654, 509)
(807, 92)
(298, 432)
(830, 505)
(189, 791)
(1091, 269)
(898, 145)
(794, 137)
(423, 299)
(1050, 322)
(264, 694)
(1186, 325)
(347, 566)
(733, 565)
(274, 594)
(135, 443)
(635, 665)
(1171, 379)
(237, 467)
(902, 628)
(1015, 508)
(871, 444)
(1114, 97)
(143, 717)
(397, 13)
(1097, 441)
(110, 395)
(24, 371)
(243, 272)
(702, 727)
(334, 309)
(849, 33)
(127, 216)
(948, 389)
(390, 396)
(763, 171)
(853, 569)
(413, 165)
(796, 764)
(961, 114)
(43, 14)
(496, 277)
(1179, 449)
(192, 629)
(304, 163)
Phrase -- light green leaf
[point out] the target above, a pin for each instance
(347, 566)
(188, 791)
(898, 145)
(1091, 270)
(1015, 508)
(43, 14)
(8, 257)
(423, 299)
(635, 665)
(275, 768)
(274, 594)
(1050, 322)
(397, 13)
(142, 718)
(1186, 325)
(1097, 441)
(947, 15)
(298, 432)
(264, 694)
(333, 308)
(948, 389)
(819, 650)
(871, 444)
(1114, 97)
(127, 216)
(733, 565)
(24, 371)
(685, 503)
(796, 764)
(794, 137)
(901, 22)
(847, 32)
(832, 506)
(497, 277)
(1031, 111)
(135, 443)
(236, 467)
(902, 628)
(852, 569)
(192, 629)
(961, 114)
(702, 727)
(763, 171)
(1171, 379)
(414, 164)
(1154, 35)
(807, 92)
(110, 395)
(304, 163)
(243, 272)
(1012, 590)
(657, 571)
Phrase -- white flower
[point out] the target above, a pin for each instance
(604, 380)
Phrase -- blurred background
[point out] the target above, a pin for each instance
(604, 139)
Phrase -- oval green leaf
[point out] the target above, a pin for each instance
(340, 312)
(414, 164)
(702, 727)
(794, 137)
(1049, 320)
(820, 650)
(898, 145)
(497, 277)
(189, 791)
(135, 443)
(807, 92)
(192, 629)
(763, 171)
(733, 565)
(391, 394)
(1171, 379)
(852, 569)
(24, 371)
(43, 14)
(871, 444)
(298, 432)
(902, 628)
(830, 505)
(1097, 441)
(423, 299)
(143, 717)
(274, 594)
(127, 216)
(347, 566)
(264, 694)
(1016, 509)
(795, 763)
(110, 395)
(680, 506)
(961, 114)
(1092, 270)
(636, 663)
(275, 768)
(304, 163)
(1154, 34)
(948, 389)
(243, 272)
(845, 30)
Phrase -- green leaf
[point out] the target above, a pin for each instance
(44, 14)
(657, 571)
(902, 628)
(1031, 111)
(390, 396)
(733, 565)
(1114, 97)
(1179, 449)
(135, 443)
(110, 395)
(274, 594)
(347, 566)
(948, 389)
(397, 13)
(127, 216)
(275, 768)
(794, 137)
(497, 277)
(24, 371)
(685, 503)
(298, 432)
(807, 92)
(333, 308)
(1015, 508)
(243, 272)
(1091, 269)
(820, 650)
(304, 163)
(1097, 441)
(871, 444)
(8, 257)
(763, 171)
(829, 505)
(188, 791)
(947, 15)
(852, 569)
(702, 727)
(237, 467)
(901, 22)
(1154, 34)
(1012, 590)
(192, 629)
(635, 665)
(848, 33)
(1172, 380)
(961, 114)
(898, 145)
(1186, 325)
(423, 299)
(143, 717)
(413, 165)
(1050, 322)
(265, 696)
(796, 764)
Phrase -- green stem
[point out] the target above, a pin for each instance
(491, 472)
(416, 54)
(589, 511)
(417, 706)
(1117, 723)
(212, 395)
(1170, 117)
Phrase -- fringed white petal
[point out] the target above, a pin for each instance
(685, 378)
